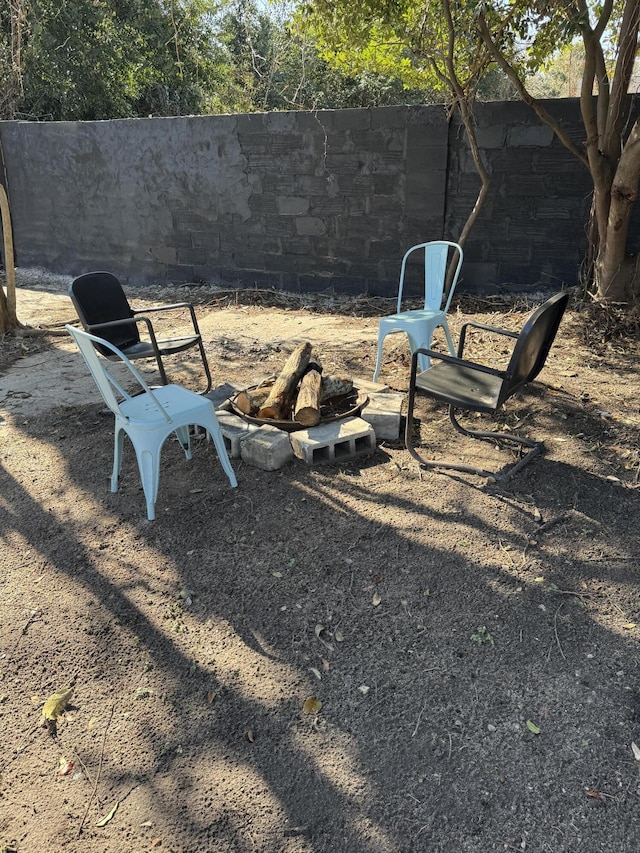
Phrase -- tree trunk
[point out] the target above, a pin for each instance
(616, 277)
(8, 318)
(278, 404)
(307, 409)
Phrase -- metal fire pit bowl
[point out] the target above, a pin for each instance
(348, 406)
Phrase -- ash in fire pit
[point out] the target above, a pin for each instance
(300, 396)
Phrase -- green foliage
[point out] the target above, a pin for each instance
(481, 637)
(281, 67)
(414, 40)
(96, 59)
(100, 59)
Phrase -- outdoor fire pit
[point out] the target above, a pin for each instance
(300, 396)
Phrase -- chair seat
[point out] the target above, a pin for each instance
(409, 318)
(166, 346)
(174, 399)
(461, 386)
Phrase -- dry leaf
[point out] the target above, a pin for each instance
(636, 750)
(211, 696)
(311, 706)
(250, 736)
(376, 599)
(318, 630)
(105, 820)
(64, 767)
(56, 703)
(596, 795)
(157, 842)
(326, 666)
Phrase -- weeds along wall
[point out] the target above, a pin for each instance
(298, 201)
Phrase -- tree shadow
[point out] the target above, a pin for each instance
(216, 621)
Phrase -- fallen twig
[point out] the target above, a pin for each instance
(95, 785)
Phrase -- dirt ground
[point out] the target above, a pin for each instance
(474, 647)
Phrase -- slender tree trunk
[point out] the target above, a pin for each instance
(616, 275)
(8, 319)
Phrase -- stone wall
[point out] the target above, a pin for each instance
(297, 201)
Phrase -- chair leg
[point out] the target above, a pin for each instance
(184, 437)
(376, 372)
(447, 334)
(213, 428)
(149, 467)
(205, 364)
(118, 445)
(535, 447)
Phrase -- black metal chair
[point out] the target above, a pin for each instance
(474, 387)
(104, 310)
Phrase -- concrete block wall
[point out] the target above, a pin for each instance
(297, 201)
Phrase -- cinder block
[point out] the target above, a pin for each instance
(234, 430)
(383, 412)
(219, 396)
(334, 442)
(268, 448)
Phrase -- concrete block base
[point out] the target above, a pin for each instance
(234, 431)
(335, 442)
(383, 412)
(267, 447)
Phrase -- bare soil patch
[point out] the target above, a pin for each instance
(474, 647)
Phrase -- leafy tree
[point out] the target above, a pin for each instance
(97, 59)
(280, 66)
(561, 76)
(455, 44)
(429, 45)
(611, 151)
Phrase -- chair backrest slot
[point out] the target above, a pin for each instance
(98, 297)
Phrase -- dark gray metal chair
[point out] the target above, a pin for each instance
(104, 309)
(473, 387)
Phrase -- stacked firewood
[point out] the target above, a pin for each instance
(298, 392)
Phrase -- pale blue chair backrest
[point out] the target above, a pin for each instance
(437, 256)
(104, 380)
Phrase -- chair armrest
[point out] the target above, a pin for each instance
(126, 322)
(473, 325)
(170, 308)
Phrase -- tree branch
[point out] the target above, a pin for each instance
(526, 96)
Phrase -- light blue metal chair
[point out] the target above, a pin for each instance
(149, 417)
(419, 325)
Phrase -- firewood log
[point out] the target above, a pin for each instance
(335, 386)
(307, 408)
(250, 400)
(279, 403)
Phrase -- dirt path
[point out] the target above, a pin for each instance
(474, 648)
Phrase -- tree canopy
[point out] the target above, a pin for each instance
(455, 44)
